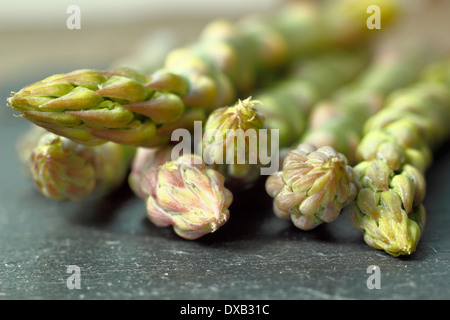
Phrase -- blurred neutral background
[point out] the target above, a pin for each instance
(35, 41)
(34, 38)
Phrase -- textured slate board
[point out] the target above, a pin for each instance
(121, 255)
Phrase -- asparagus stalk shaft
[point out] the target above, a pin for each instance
(394, 153)
(288, 104)
(338, 121)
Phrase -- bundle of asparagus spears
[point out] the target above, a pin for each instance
(348, 125)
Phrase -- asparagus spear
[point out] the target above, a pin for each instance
(64, 170)
(313, 187)
(395, 152)
(231, 140)
(183, 192)
(126, 107)
(296, 193)
(88, 106)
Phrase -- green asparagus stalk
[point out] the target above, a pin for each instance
(338, 122)
(240, 132)
(183, 192)
(336, 126)
(395, 152)
(308, 27)
(88, 106)
(126, 107)
(64, 170)
(288, 104)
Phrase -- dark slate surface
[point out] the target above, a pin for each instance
(121, 255)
